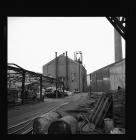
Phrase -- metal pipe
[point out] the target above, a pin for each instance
(79, 76)
(41, 124)
(23, 86)
(63, 88)
(56, 71)
(81, 58)
(108, 109)
(67, 86)
(98, 109)
(41, 88)
(56, 65)
(95, 108)
(118, 45)
(90, 84)
(65, 125)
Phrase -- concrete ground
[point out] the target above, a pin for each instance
(27, 112)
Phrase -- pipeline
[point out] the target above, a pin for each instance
(41, 124)
(65, 125)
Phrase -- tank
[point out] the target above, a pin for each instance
(41, 124)
(65, 125)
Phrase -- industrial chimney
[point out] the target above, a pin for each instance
(117, 46)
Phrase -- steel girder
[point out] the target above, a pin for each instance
(119, 23)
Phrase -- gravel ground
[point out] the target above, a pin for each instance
(25, 112)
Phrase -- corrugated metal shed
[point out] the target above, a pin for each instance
(109, 77)
(117, 76)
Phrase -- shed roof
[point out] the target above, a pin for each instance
(109, 65)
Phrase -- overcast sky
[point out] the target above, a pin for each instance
(33, 41)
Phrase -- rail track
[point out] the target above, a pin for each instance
(26, 127)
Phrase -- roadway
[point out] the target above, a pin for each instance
(26, 112)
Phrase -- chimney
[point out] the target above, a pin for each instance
(117, 46)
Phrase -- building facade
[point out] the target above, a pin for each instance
(71, 72)
(109, 78)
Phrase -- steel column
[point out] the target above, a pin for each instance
(67, 85)
(56, 71)
(90, 84)
(41, 88)
(23, 86)
(79, 77)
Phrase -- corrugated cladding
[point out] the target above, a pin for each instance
(109, 77)
(100, 80)
(117, 76)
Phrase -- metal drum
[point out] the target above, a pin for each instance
(41, 124)
(109, 125)
(65, 125)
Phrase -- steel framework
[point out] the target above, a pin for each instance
(18, 74)
(119, 23)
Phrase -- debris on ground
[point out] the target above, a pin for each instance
(94, 116)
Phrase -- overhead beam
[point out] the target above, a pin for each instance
(118, 25)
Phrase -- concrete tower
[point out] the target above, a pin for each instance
(118, 46)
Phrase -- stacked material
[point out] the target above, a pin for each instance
(98, 114)
(119, 109)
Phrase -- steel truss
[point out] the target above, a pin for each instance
(18, 74)
(119, 23)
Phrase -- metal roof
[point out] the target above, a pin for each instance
(109, 65)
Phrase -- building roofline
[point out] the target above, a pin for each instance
(52, 60)
(63, 56)
(109, 65)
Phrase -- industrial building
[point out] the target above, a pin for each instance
(109, 78)
(71, 72)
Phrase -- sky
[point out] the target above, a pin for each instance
(33, 41)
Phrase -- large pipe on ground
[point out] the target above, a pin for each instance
(65, 125)
(41, 124)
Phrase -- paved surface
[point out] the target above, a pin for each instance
(26, 112)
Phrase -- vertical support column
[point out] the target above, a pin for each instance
(56, 90)
(67, 86)
(81, 58)
(23, 87)
(56, 68)
(79, 77)
(63, 89)
(90, 85)
(56, 62)
(118, 45)
(41, 98)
